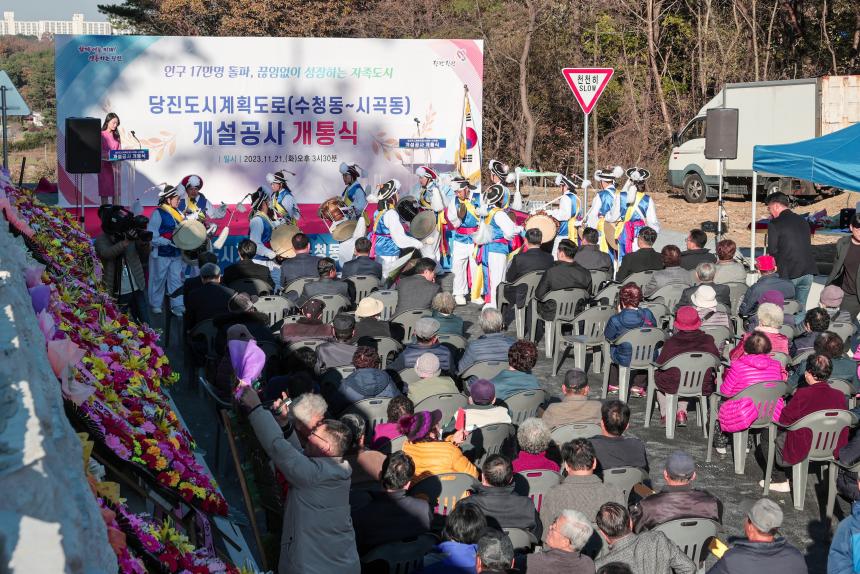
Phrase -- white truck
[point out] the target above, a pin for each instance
(768, 113)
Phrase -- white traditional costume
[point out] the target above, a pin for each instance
(464, 218)
(165, 259)
(260, 232)
(387, 235)
(493, 244)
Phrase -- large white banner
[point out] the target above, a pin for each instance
(234, 109)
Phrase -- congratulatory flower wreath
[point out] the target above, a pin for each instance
(110, 367)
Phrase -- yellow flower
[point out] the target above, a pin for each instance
(160, 463)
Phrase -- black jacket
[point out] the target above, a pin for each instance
(722, 291)
(592, 258)
(646, 259)
(326, 286)
(675, 502)
(207, 302)
(362, 265)
(562, 275)
(534, 259)
(415, 292)
(504, 509)
(302, 265)
(789, 241)
(839, 265)
(692, 257)
(247, 269)
(372, 328)
(257, 324)
(746, 557)
(390, 517)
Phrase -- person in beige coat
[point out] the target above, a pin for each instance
(318, 537)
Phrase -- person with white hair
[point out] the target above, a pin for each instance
(306, 413)
(283, 201)
(387, 234)
(604, 200)
(562, 549)
(165, 259)
(493, 345)
(533, 438)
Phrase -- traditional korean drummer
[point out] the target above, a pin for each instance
(387, 235)
(353, 194)
(569, 212)
(633, 209)
(493, 244)
(601, 210)
(463, 215)
(500, 173)
(283, 202)
(430, 197)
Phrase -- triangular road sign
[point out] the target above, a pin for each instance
(15, 105)
(587, 84)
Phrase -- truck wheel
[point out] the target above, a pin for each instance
(772, 187)
(694, 189)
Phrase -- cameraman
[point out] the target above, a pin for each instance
(120, 256)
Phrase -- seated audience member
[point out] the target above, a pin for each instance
(532, 258)
(522, 357)
(629, 317)
(533, 439)
(612, 448)
(678, 499)
(671, 274)
(704, 274)
(564, 274)
(844, 553)
(769, 281)
(429, 452)
(192, 284)
(770, 319)
(644, 259)
(575, 406)
(815, 322)
(496, 498)
(791, 447)
(366, 464)
(754, 366)
(318, 494)
(362, 263)
(458, 550)
(704, 301)
(581, 489)
(589, 254)
(210, 300)
(562, 550)
(831, 301)
(383, 433)
(431, 382)
(777, 299)
(302, 265)
(309, 325)
(842, 367)
(391, 515)
(493, 345)
(495, 553)
(763, 549)
(246, 268)
(443, 311)
(696, 252)
(366, 382)
(426, 341)
(648, 551)
(417, 290)
(729, 270)
(615, 568)
(338, 353)
(369, 324)
(482, 409)
(241, 311)
(688, 338)
(327, 284)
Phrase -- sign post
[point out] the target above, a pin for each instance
(587, 84)
(11, 104)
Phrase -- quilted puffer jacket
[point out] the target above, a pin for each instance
(747, 370)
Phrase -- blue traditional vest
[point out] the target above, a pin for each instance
(202, 204)
(499, 244)
(349, 193)
(167, 227)
(385, 246)
(643, 207)
(574, 211)
(607, 198)
(469, 225)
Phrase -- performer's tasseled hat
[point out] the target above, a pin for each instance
(609, 174)
(192, 181)
(565, 181)
(352, 169)
(495, 194)
(460, 182)
(258, 197)
(278, 176)
(425, 171)
(500, 170)
(638, 174)
(388, 190)
(166, 193)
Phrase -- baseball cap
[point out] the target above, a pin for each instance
(369, 307)
(765, 515)
(427, 366)
(482, 391)
(680, 463)
(343, 323)
(831, 296)
(765, 262)
(426, 328)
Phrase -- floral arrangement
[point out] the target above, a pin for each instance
(108, 365)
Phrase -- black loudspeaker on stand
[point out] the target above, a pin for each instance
(721, 142)
(83, 153)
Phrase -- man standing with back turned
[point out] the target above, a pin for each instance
(789, 241)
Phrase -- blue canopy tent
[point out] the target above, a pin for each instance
(833, 159)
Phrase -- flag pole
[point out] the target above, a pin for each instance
(462, 142)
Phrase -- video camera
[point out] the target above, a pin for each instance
(123, 224)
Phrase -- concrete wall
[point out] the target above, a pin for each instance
(49, 519)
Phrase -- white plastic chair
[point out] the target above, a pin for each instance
(693, 368)
(643, 342)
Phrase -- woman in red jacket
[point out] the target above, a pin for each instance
(688, 338)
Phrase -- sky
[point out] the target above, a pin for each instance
(55, 9)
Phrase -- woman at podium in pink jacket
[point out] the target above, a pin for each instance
(108, 176)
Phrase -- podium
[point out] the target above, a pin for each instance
(124, 171)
